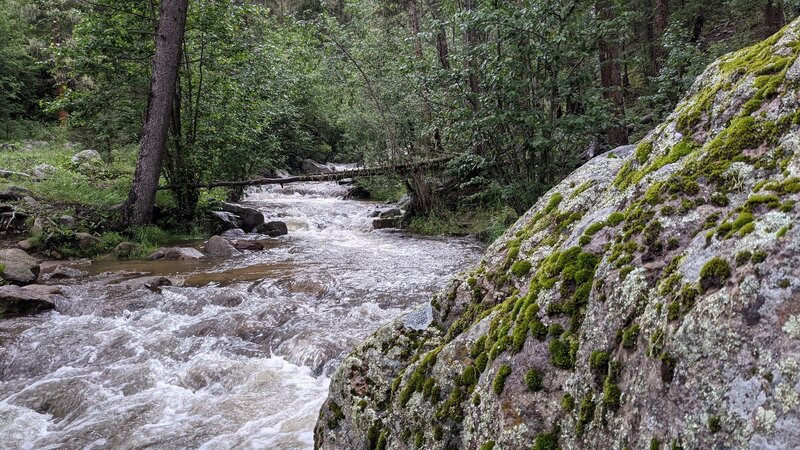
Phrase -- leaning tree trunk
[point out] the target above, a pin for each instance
(169, 36)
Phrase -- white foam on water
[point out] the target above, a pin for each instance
(242, 366)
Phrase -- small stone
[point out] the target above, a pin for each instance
(26, 245)
(68, 222)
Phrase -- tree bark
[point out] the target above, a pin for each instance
(169, 37)
(611, 77)
(773, 18)
(660, 22)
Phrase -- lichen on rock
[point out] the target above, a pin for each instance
(651, 297)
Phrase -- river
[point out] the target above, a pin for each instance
(238, 356)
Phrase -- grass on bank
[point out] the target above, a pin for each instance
(87, 194)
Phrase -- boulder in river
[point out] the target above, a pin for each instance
(390, 213)
(18, 301)
(235, 233)
(176, 254)
(152, 283)
(273, 228)
(18, 266)
(218, 247)
(380, 224)
(309, 166)
(225, 220)
(649, 300)
(357, 193)
(250, 217)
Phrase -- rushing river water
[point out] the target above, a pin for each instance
(239, 356)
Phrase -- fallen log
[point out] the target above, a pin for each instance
(331, 176)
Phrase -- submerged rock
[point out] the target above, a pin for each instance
(648, 300)
(176, 253)
(380, 224)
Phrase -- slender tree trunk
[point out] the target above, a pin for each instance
(169, 37)
(660, 22)
(773, 18)
(611, 77)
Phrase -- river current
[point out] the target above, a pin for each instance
(237, 355)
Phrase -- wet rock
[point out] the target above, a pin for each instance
(250, 245)
(250, 217)
(346, 182)
(225, 220)
(18, 266)
(63, 273)
(390, 213)
(218, 247)
(357, 193)
(43, 171)
(236, 233)
(380, 224)
(273, 228)
(86, 240)
(87, 158)
(152, 283)
(309, 166)
(17, 301)
(176, 254)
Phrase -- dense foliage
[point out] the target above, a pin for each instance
(518, 93)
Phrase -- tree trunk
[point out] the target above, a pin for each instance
(169, 36)
(611, 77)
(773, 18)
(660, 22)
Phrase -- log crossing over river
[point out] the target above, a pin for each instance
(237, 357)
(401, 169)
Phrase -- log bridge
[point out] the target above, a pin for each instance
(403, 168)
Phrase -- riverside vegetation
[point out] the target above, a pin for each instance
(649, 300)
(517, 95)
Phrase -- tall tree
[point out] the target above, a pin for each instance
(611, 74)
(166, 62)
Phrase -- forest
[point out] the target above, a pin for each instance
(516, 94)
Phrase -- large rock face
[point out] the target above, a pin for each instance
(651, 300)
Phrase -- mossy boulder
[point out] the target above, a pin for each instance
(656, 304)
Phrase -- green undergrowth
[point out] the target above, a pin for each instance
(487, 223)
